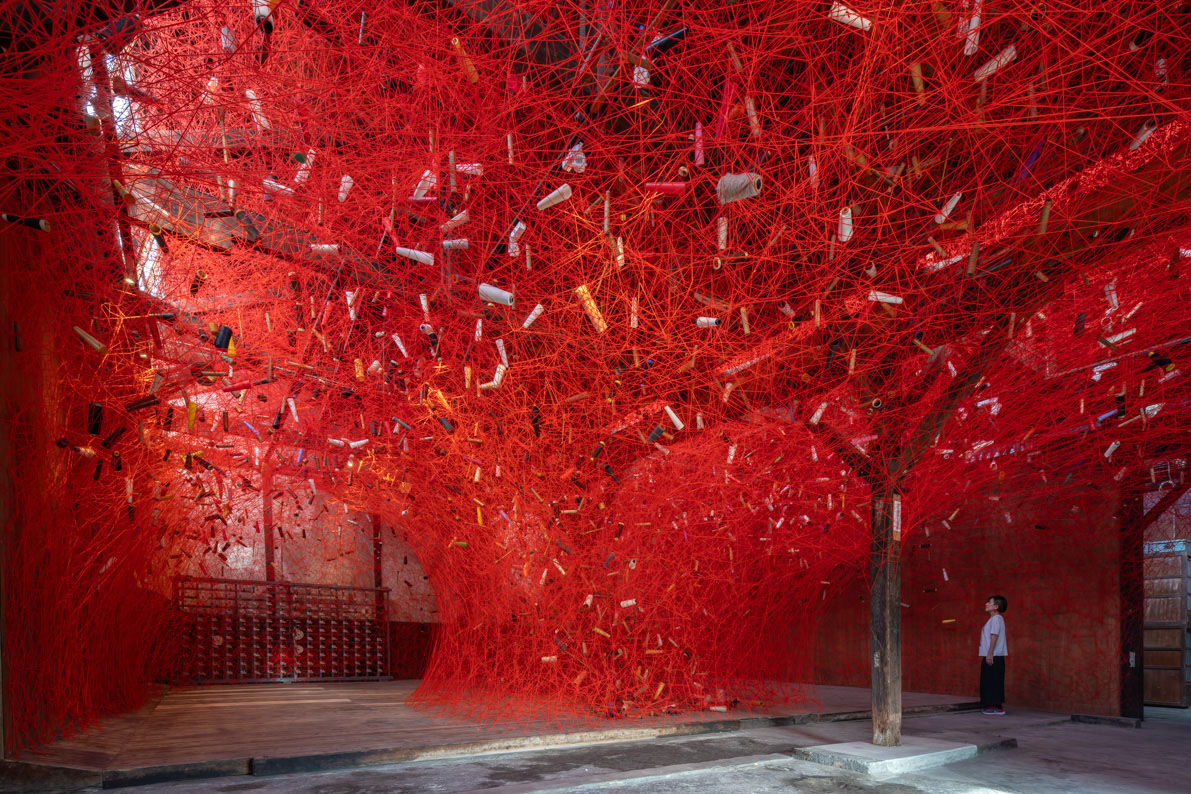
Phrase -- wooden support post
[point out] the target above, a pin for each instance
(885, 631)
(267, 514)
(385, 662)
(377, 560)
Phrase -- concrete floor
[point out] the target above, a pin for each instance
(1053, 755)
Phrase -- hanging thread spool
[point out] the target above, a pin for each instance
(738, 187)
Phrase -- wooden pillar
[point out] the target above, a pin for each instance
(385, 663)
(377, 558)
(885, 626)
(267, 512)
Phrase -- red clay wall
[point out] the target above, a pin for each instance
(1064, 606)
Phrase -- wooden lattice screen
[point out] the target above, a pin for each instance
(250, 631)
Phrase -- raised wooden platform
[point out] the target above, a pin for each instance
(265, 729)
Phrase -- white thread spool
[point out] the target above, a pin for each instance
(400, 345)
(273, 186)
(458, 244)
(535, 314)
(556, 196)
(678, 425)
(818, 414)
(514, 236)
(417, 256)
(227, 40)
(500, 348)
(575, 160)
(497, 378)
(1143, 132)
(737, 187)
(812, 170)
(998, 61)
(844, 232)
(479, 328)
(455, 222)
(345, 187)
(494, 294)
(325, 249)
(707, 322)
(1122, 336)
(845, 16)
(258, 111)
(947, 208)
(884, 297)
(425, 184)
(293, 409)
(469, 169)
(972, 34)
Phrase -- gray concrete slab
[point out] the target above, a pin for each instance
(914, 754)
(637, 776)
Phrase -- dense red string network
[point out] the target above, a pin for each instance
(620, 312)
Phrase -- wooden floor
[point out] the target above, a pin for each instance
(203, 724)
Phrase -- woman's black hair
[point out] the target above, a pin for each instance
(1002, 602)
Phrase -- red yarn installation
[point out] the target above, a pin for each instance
(620, 313)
